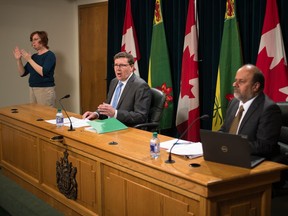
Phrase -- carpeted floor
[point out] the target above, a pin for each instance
(3, 212)
(15, 201)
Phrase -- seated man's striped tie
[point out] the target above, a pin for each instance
(236, 120)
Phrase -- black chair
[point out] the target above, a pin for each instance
(283, 139)
(155, 112)
(280, 188)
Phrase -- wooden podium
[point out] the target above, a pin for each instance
(121, 179)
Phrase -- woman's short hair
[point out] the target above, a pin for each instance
(43, 37)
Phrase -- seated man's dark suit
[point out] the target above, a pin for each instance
(134, 103)
(261, 124)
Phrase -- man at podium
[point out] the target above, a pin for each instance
(129, 96)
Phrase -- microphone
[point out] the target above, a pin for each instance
(66, 96)
(169, 160)
(71, 126)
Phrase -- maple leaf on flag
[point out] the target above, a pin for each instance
(271, 58)
(188, 87)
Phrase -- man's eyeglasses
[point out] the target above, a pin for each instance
(120, 65)
(35, 39)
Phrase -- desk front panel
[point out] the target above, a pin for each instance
(122, 179)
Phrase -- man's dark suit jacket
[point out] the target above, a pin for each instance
(261, 123)
(134, 103)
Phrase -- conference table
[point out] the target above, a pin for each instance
(83, 173)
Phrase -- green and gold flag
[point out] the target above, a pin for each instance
(230, 61)
(159, 67)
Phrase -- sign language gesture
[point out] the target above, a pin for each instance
(17, 53)
(21, 53)
(26, 55)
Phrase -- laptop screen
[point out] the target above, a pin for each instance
(226, 148)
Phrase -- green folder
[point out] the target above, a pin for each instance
(107, 125)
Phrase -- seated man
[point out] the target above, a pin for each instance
(129, 96)
(261, 118)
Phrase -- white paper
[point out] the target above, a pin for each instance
(183, 147)
(76, 123)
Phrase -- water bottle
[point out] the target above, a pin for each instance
(59, 118)
(154, 146)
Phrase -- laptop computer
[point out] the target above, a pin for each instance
(228, 148)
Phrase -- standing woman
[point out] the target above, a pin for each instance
(40, 66)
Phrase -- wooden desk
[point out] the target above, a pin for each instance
(122, 179)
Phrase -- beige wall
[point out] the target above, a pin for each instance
(59, 18)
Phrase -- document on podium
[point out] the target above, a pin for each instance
(105, 125)
(183, 147)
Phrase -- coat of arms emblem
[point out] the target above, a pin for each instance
(66, 177)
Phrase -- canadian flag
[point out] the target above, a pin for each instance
(271, 58)
(129, 39)
(188, 103)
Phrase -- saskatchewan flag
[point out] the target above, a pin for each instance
(230, 61)
(159, 75)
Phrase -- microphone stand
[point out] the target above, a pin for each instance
(169, 160)
(71, 126)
